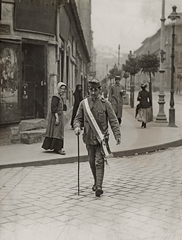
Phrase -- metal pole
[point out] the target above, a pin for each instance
(161, 117)
(78, 165)
(118, 57)
(132, 91)
(125, 84)
(172, 109)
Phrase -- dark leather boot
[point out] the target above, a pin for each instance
(94, 187)
(145, 125)
(142, 125)
(98, 191)
(99, 180)
(93, 169)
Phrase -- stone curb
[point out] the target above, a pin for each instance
(84, 158)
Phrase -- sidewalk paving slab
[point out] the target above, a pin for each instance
(134, 141)
(141, 200)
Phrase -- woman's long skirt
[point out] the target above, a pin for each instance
(54, 139)
(53, 144)
(144, 115)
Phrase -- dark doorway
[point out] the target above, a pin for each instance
(33, 81)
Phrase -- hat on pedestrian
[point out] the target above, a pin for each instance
(94, 83)
(60, 85)
(143, 85)
(117, 78)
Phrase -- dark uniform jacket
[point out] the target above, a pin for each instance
(144, 98)
(116, 98)
(103, 113)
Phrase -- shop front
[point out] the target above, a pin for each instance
(33, 85)
(10, 78)
(23, 82)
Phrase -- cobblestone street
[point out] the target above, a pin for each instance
(142, 200)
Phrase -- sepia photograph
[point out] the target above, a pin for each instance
(90, 120)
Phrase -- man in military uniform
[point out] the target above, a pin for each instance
(103, 113)
(116, 94)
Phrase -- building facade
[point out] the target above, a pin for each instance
(85, 12)
(152, 45)
(41, 44)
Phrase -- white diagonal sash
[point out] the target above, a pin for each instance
(96, 129)
(100, 136)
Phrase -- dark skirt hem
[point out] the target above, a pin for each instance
(53, 144)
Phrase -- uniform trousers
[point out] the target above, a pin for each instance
(96, 160)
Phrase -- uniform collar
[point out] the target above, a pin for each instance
(94, 100)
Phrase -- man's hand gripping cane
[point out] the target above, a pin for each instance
(77, 131)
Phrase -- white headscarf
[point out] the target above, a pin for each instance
(60, 84)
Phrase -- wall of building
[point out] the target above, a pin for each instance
(64, 59)
(178, 56)
(152, 45)
(85, 11)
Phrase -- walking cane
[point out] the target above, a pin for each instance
(78, 166)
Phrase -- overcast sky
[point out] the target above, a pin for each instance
(127, 22)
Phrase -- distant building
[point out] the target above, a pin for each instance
(93, 64)
(152, 45)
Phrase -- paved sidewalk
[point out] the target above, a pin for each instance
(134, 141)
(142, 200)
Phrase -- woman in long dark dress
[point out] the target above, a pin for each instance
(78, 98)
(54, 138)
(145, 102)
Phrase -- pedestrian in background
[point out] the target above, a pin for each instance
(103, 113)
(116, 93)
(77, 99)
(145, 103)
(54, 139)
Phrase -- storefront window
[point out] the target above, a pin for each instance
(8, 70)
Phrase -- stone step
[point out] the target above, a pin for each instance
(32, 124)
(32, 136)
(5, 135)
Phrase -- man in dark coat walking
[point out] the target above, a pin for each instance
(116, 94)
(102, 113)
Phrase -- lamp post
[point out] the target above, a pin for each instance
(161, 117)
(173, 16)
(118, 56)
(132, 87)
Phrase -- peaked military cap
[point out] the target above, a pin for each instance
(117, 78)
(94, 83)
